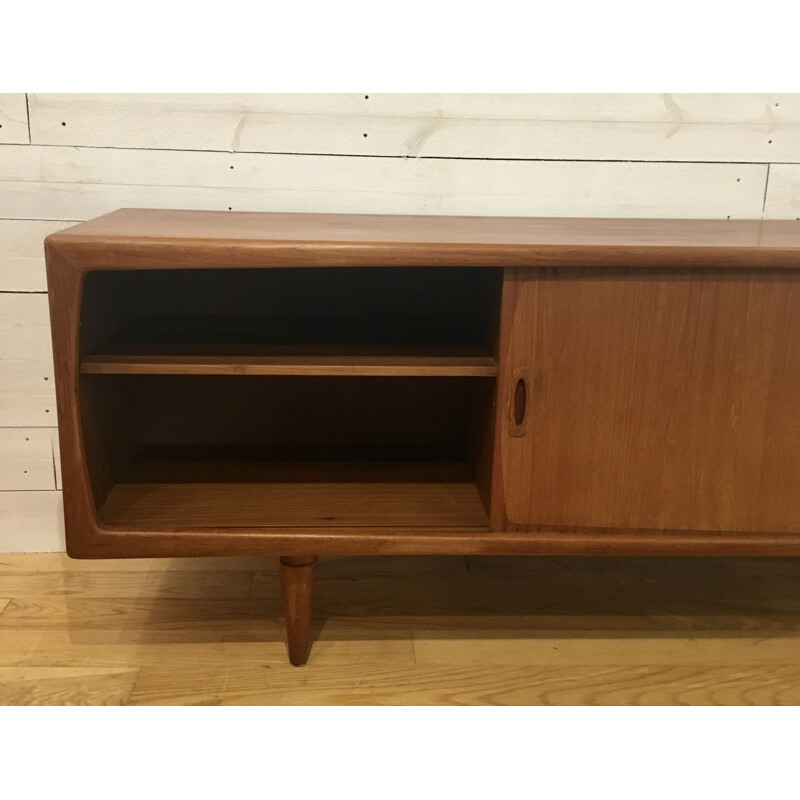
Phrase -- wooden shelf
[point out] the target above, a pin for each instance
(387, 365)
(190, 344)
(314, 495)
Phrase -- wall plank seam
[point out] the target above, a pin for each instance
(406, 157)
(28, 116)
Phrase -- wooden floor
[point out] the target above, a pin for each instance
(402, 630)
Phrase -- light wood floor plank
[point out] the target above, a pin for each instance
(65, 614)
(61, 562)
(120, 622)
(653, 684)
(114, 649)
(506, 648)
(140, 584)
(65, 686)
(208, 618)
(402, 630)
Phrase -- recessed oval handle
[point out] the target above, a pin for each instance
(520, 401)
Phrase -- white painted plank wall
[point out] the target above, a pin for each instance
(31, 522)
(78, 183)
(695, 156)
(27, 391)
(648, 127)
(13, 119)
(21, 253)
(26, 459)
(783, 197)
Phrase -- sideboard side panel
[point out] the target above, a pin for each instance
(655, 401)
(64, 285)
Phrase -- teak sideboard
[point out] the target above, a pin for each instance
(307, 384)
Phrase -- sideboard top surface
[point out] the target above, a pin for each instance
(140, 238)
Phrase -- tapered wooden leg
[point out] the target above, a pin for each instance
(297, 583)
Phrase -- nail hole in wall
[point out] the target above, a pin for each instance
(366, 97)
(27, 439)
(770, 141)
(231, 166)
(63, 124)
(24, 472)
(365, 135)
(230, 208)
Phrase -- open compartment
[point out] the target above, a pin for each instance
(309, 321)
(340, 398)
(189, 451)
